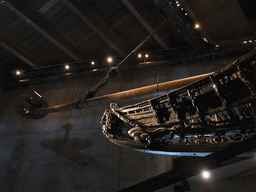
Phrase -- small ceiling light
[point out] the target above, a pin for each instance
(66, 66)
(146, 55)
(197, 26)
(250, 41)
(139, 55)
(178, 5)
(18, 72)
(206, 174)
(110, 59)
(245, 41)
(92, 62)
(181, 8)
(186, 13)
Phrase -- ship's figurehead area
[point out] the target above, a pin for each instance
(201, 117)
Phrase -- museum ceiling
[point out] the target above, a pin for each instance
(38, 36)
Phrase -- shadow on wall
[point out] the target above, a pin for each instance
(68, 148)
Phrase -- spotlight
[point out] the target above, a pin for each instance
(66, 66)
(146, 55)
(139, 55)
(197, 26)
(245, 41)
(18, 72)
(110, 59)
(92, 62)
(206, 174)
(178, 5)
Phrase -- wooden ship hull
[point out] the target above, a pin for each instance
(197, 119)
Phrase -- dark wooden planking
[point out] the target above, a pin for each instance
(78, 33)
(4, 12)
(68, 23)
(57, 17)
(36, 44)
(65, 26)
(99, 4)
(88, 37)
(32, 38)
(19, 49)
(43, 46)
(26, 34)
(107, 9)
(91, 3)
(98, 48)
(72, 22)
(146, 20)
(36, 21)
(17, 27)
(7, 18)
(115, 14)
(3, 53)
(88, 16)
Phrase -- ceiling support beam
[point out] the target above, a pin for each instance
(20, 50)
(145, 21)
(33, 18)
(105, 31)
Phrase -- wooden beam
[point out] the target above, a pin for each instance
(105, 31)
(145, 21)
(33, 18)
(20, 50)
